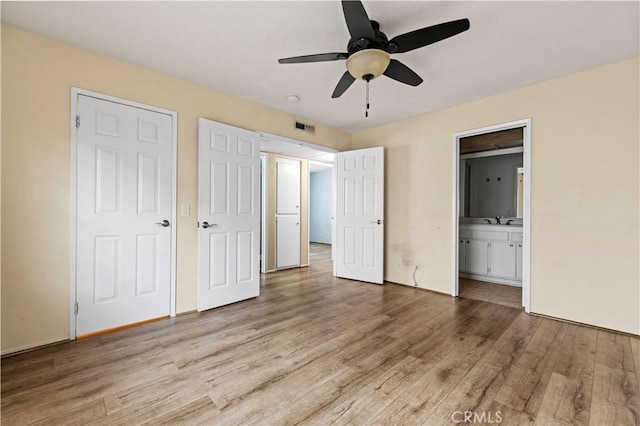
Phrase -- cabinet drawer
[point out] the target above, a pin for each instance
(516, 236)
(488, 235)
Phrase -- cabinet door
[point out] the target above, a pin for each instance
(462, 258)
(476, 257)
(502, 256)
(287, 186)
(287, 241)
(519, 261)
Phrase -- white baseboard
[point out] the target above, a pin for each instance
(486, 278)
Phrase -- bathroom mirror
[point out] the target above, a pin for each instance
(491, 186)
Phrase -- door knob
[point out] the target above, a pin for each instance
(164, 223)
(378, 222)
(206, 225)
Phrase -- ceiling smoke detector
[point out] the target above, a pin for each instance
(293, 98)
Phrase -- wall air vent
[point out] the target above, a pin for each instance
(305, 127)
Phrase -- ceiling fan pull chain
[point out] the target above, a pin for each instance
(366, 112)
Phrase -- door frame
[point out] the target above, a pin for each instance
(526, 222)
(298, 161)
(263, 212)
(75, 92)
(265, 136)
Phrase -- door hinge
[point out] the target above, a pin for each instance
(77, 121)
(75, 308)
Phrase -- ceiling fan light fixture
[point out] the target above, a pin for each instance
(368, 62)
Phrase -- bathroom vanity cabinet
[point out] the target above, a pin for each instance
(491, 253)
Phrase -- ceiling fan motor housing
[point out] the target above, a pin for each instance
(380, 41)
(368, 59)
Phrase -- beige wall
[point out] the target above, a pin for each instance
(585, 192)
(37, 76)
(271, 210)
(585, 182)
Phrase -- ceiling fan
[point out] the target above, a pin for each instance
(369, 49)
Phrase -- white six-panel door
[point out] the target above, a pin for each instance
(360, 215)
(228, 214)
(123, 254)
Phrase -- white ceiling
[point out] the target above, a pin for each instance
(234, 47)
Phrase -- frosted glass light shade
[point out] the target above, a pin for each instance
(369, 61)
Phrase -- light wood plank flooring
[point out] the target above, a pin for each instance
(313, 349)
(320, 254)
(506, 295)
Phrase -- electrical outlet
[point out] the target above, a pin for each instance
(185, 210)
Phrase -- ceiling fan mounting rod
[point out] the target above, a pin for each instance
(379, 41)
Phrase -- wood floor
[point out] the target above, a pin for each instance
(313, 349)
(320, 255)
(500, 294)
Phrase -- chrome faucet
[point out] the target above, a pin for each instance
(498, 220)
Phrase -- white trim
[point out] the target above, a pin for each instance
(322, 164)
(73, 206)
(455, 209)
(173, 300)
(75, 93)
(490, 279)
(526, 223)
(308, 213)
(270, 136)
(334, 206)
(264, 159)
(492, 153)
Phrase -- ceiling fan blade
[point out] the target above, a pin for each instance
(320, 57)
(402, 73)
(345, 82)
(357, 20)
(429, 35)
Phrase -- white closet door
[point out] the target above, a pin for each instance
(228, 214)
(124, 207)
(287, 213)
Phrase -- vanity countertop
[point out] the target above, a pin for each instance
(487, 227)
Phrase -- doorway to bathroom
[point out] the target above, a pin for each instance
(491, 223)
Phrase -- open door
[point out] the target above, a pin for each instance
(228, 214)
(359, 242)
